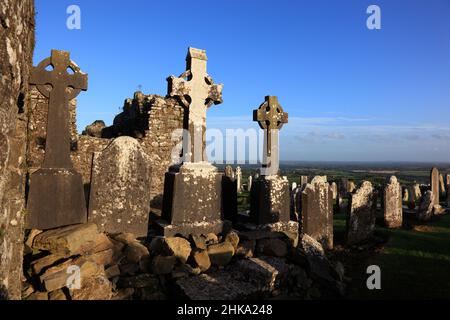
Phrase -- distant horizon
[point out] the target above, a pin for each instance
(352, 93)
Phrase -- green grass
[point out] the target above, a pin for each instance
(414, 263)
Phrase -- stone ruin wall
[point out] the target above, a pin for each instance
(16, 51)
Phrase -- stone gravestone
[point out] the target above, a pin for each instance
(434, 180)
(335, 190)
(229, 195)
(412, 197)
(239, 179)
(426, 207)
(270, 195)
(56, 195)
(120, 188)
(361, 214)
(393, 206)
(303, 180)
(406, 195)
(317, 211)
(192, 202)
(442, 185)
(249, 183)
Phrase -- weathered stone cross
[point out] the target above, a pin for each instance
(270, 117)
(56, 196)
(197, 91)
(64, 87)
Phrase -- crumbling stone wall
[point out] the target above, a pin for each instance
(16, 51)
(152, 119)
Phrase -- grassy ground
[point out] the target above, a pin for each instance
(414, 263)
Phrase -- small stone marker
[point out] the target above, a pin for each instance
(249, 183)
(441, 185)
(393, 206)
(317, 211)
(120, 188)
(303, 180)
(361, 214)
(434, 179)
(56, 196)
(192, 202)
(426, 207)
(239, 179)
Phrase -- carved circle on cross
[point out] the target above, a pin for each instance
(270, 114)
(45, 89)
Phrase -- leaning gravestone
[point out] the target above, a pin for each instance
(120, 188)
(434, 180)
(317, 211)
(192, 202)
(441, 185)
(393, 206)
(361, 214)
(56, 196)
(270, 194)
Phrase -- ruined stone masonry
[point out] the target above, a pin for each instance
(16, 51)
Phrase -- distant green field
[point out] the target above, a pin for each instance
(415, 264)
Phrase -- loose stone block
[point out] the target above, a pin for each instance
(361, 214)
(317, 211)
(120, 190)
(393, 206)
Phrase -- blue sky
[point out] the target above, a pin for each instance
(352, 94)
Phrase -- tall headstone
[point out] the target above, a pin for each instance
(239, 179)
(351, 186)
(56, 196)
(361, 214)
(270, 195)
(317, 211)
(447, 179)
(393, 206)
(434, 180)
(405, 195)
(294, 186)
(192, 202)
(412, 197)
(120, 188)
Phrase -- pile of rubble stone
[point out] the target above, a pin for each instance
(238, 265)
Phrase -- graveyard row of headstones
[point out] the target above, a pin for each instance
(197, 198)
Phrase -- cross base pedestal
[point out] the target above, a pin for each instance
(56, 199)
(192, 202)
(270, 200)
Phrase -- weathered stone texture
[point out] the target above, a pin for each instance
(434, 180)
(120, 189)
(37, 128)
(317, 211)
(270, 200)
(16, 51)
(361, 214)
(393, 210)
(156, 121)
